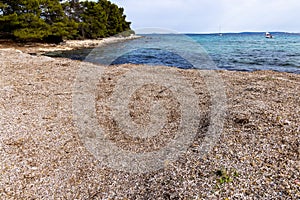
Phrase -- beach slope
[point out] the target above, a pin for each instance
(42, 156)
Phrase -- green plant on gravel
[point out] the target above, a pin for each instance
(223, 176)
(225, 179)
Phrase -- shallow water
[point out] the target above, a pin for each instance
(248, 52)
(241, 52)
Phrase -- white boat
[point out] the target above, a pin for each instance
(268, 35)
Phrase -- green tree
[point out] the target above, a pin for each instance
(93, 21)
(60, 25)
(54, 20)
(20, 19)
(73, 10)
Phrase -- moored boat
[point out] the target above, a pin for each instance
(269, 35)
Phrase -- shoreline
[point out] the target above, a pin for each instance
(62, 49)
(40, 48)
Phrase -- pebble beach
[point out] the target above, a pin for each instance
(257, 155)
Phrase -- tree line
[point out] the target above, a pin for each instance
(55, 20)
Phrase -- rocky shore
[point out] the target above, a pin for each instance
(42, 156)
(39, 48)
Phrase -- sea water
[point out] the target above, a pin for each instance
(231, 51)
(252, 51)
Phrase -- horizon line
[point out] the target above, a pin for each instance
(286, 32)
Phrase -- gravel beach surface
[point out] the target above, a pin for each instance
(42, 156)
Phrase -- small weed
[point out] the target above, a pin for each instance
(224, 176)
(225, 179)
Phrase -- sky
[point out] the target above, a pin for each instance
(213, 16)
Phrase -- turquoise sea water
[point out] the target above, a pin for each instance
(241, 52)
(250, 52)
(238, 51)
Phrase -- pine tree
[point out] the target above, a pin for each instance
(93, 21)
(21, 20)
(60, 26)
(53, 20)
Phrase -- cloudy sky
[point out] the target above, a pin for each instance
(205, 16)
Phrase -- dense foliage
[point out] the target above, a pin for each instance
(55, 20)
